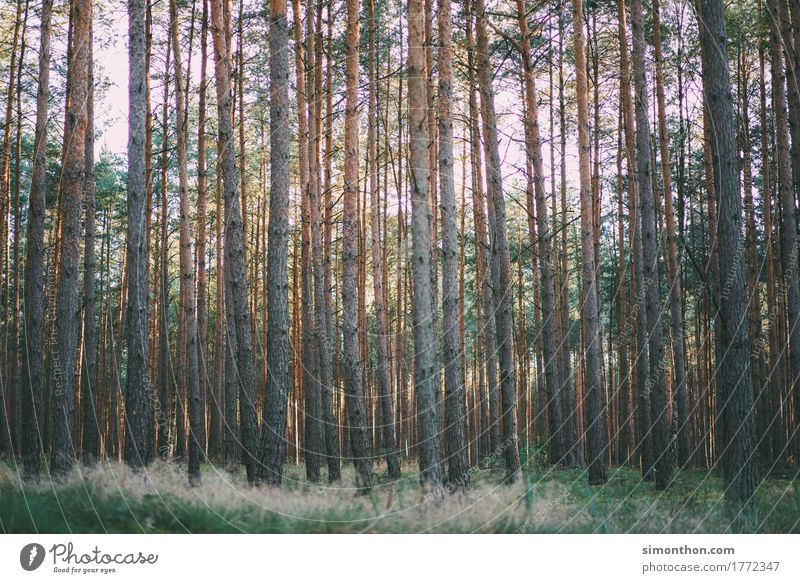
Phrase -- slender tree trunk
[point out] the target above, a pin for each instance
(565, 325)
(623, 322)
(138, 385)
(278, 349)
(202, 206)
(322, 324)
(381, 329)
(652, 281)
(236, 275)
(455, 395)
(425, 352)
(752, 262)
(645, 443)
(166, 378)
(501, 286)
(15, 214)
(789, 241)
(91, 428)
(486, 323)
(68, 309)
(595, 419)
(771, 440)
(673, 264)
(354, 390)
(553, 383)
(6, 394)
(738, 459)
(190, 373)
(32, 374)
(314, 438)
(155, 415)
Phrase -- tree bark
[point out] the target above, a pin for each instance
(353, 388)
(202, 206)
(166, 384)
(501, 287)
(188, 349)
(737, 457)
(789, 242)
(322, 316)
(90, 422)
(553, 383)
(68, 309)
(455, 394)
(674, 276)
(236, 285)
(425, 346)
(644, 446)
(595, 419)
(32, 373)
(381, 328)
(486, 323)
(652, 277)
(278, 349)
(137, 387)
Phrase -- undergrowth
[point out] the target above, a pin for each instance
(111, 498)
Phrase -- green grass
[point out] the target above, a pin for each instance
(110, 498)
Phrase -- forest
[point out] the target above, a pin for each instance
(384, 266)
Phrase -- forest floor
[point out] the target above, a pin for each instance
(110, 498)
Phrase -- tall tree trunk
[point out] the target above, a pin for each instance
(278, 349)
(425, 352)
(90, 422)
(166, 376)
(314, 439)
(771, 441)
(564, 323)
(6, 394)
(155, 416)
(381, 329)
(190, 373)
(501, 275)
(645, 442)
(595, 419)
(68, 309)
(322, 316)
(455, 395)
(652, 282)
(553, 382)
(623, 322)
(738, 459)
(486, 323)
(236, 274)
(15, 214)
(202, 206)
(673, 264)
(789, 242)
(137, 380)
(353, 388)
(757, 361)
(32, 374)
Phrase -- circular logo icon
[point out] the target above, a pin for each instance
(31, 556)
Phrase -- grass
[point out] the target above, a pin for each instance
(110, 498)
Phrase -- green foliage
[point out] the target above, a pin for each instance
(534, 457)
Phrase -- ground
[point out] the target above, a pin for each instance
(110, 498)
